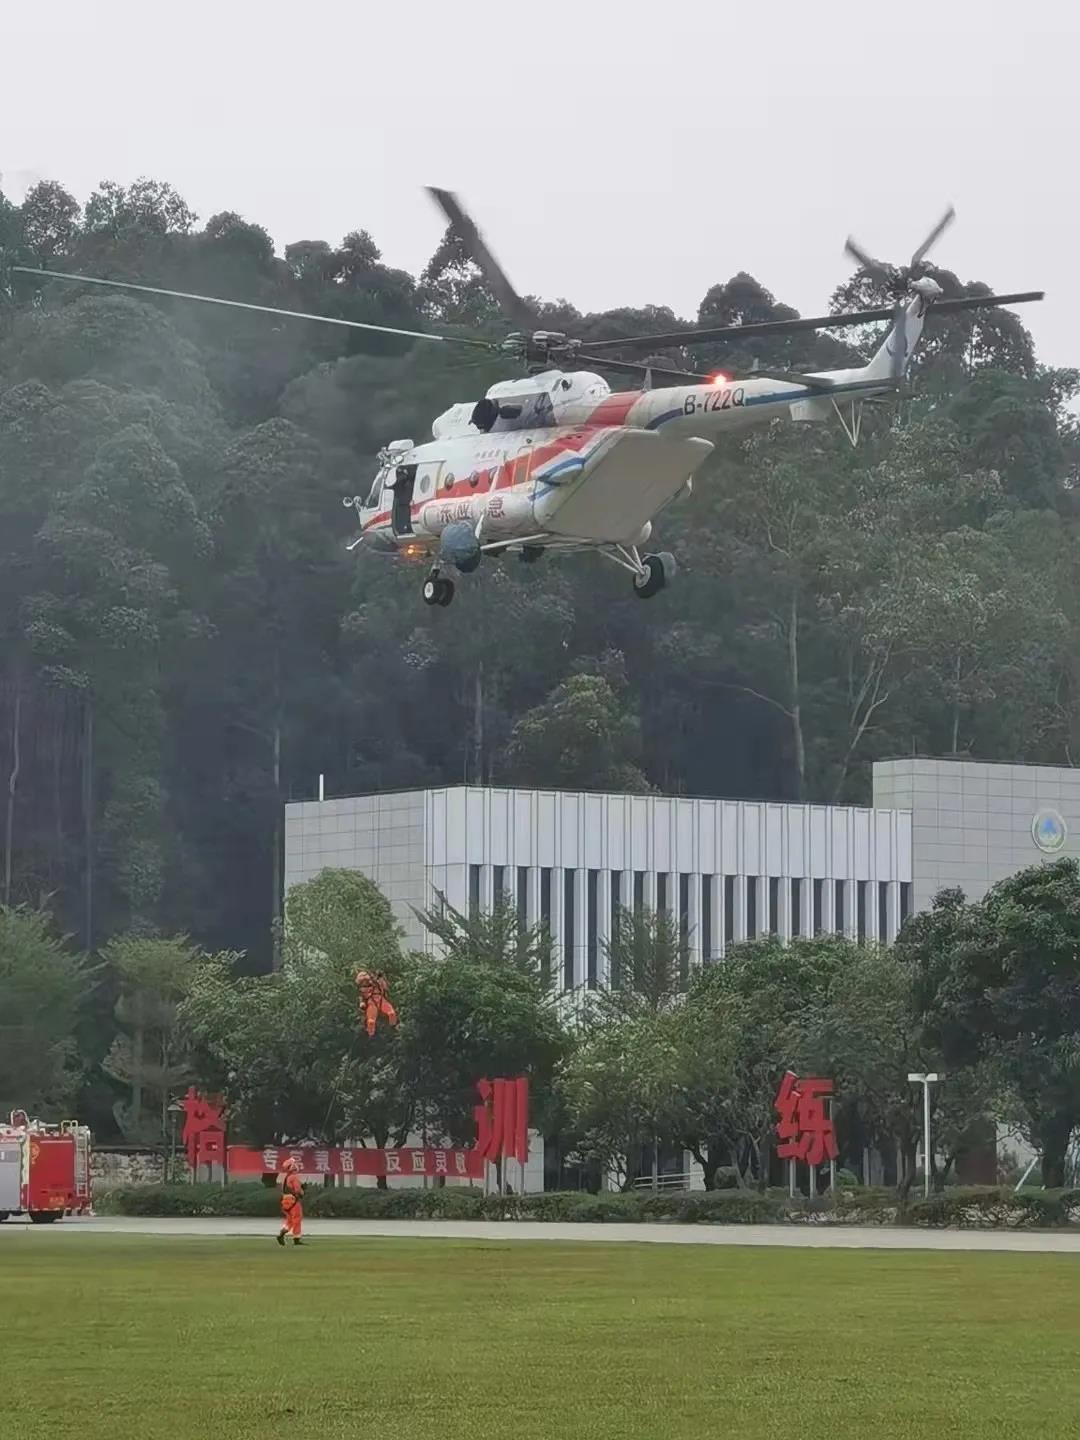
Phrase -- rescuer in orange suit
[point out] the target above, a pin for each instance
(374, 999)
(292, 1202)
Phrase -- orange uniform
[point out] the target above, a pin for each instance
(292, 1205)
(374, 1000)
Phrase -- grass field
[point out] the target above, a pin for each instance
(141, 1338)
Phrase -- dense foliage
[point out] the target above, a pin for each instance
(184, 642)
(670, 1060)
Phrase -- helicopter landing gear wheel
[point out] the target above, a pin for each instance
(656, 571)
(437, 591)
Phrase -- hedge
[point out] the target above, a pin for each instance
(719, 1206)
(990, 1208)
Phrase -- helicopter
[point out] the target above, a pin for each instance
(558, 461)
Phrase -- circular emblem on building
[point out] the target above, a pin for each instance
(1048, 831)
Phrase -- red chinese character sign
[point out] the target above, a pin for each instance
(805, 1128)
(203, 1135)
(502, 1120)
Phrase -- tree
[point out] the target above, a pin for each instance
(867, 1033)
(485, 1009)
(185, 644)
(43, 987)
(583, 736)
(999, 980)
(765, 991)
(149, 1057)
(50, 221)
(287, 1049)
(620, 1089)
(647, 961)
(711, 1078)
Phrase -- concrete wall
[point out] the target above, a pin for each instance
(972, 824)
(111, 1169)
(382, 836)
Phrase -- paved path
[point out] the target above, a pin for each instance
(820, 1237)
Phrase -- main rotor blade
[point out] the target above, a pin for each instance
(984, 302)
(628, 367)
(934, 236)
(793, 327)
(514, 308)
(866, 261)
(245, 305)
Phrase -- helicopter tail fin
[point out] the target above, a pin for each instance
(893, 356)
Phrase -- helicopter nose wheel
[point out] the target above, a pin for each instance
(655, 572)
(437, 590)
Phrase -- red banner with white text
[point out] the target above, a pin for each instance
(362, 1160)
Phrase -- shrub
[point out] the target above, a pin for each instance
(728, 1207)
(989, 1208)
(188, 1200)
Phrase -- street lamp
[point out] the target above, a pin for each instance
(931, 1078)
(174, 1110)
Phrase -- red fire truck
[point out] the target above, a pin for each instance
(44, 1169)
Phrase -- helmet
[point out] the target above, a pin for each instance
(291, 1164)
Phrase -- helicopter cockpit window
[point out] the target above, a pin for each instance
(376, 488)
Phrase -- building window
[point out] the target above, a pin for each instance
(883, 912)
(774, 905)
(706, 919)
(751, 907)
(474, 891)
(499, 884)
(545, 898)
(662, 899)
(592, 928)
(523, 897)
(639, 891)
(569, 932)
(905, 900)
(796, 908)
(819, 903)
(616, 900)
(839, 916)
(684, 926)
(860, 914)
(729, 909)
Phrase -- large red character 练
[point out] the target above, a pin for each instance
(374, 999)
(805, 1129)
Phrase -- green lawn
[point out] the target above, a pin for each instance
(140, 1338)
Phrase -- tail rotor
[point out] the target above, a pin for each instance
(902, 282)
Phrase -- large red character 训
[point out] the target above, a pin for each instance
(374, 999)
(805, 1128)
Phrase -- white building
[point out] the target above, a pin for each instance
(728, 869)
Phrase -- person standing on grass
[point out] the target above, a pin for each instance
(292, 1202)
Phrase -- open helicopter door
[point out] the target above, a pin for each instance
(404, 480)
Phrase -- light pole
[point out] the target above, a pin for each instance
(174, 1110)
(931, 1078)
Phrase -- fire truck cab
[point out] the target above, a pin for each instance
(44, 1169)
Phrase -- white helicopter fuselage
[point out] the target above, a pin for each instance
(561, 461)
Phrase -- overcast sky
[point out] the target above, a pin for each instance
(613, 153)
